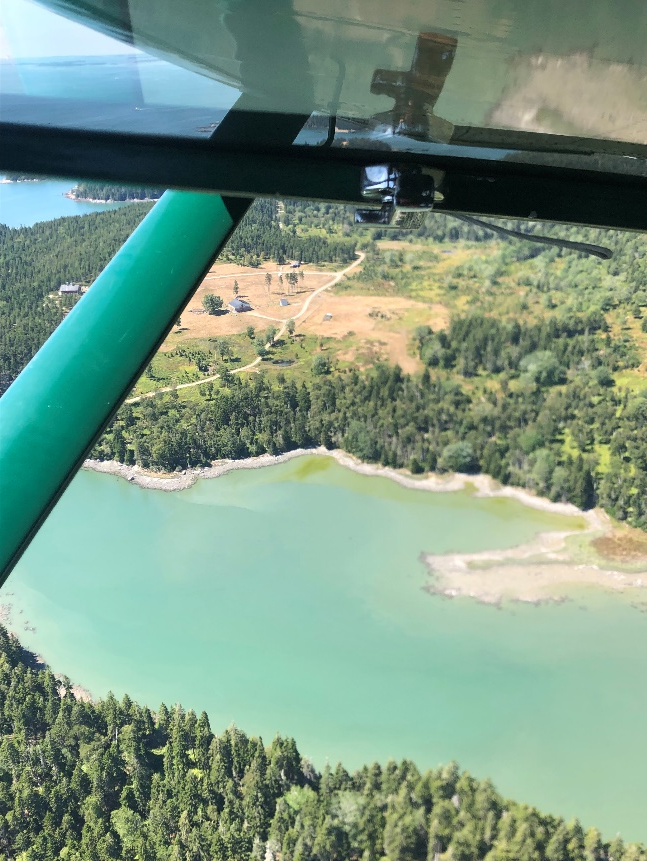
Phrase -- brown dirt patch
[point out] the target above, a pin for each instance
(622, 545)
(381, 326)
(251, 282)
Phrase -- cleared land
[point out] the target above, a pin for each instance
(372, 314)
(368, 329)
(252, 289)
(274, 344)
(378, 329)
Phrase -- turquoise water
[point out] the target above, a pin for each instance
(290, 599)
(25, 203)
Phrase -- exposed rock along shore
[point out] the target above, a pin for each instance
(534, 572)
(543, 570)
(12, 618)
(484, 485)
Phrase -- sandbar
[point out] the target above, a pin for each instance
(542, 570)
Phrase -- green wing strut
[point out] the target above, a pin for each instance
(60, 403)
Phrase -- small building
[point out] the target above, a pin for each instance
(295, 264)
(69, 289)
(239, 305)
(283, 302)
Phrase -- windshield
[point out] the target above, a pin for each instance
(521, 80)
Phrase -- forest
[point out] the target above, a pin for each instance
(521, 385)
(423, 423)
(112, 193)
(261, 235)
(110, 779)
(35, 261)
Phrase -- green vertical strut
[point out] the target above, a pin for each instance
(55, 410)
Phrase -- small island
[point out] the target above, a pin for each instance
(10, 178)
(98, 192)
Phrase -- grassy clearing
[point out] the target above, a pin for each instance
(170, 368)
(569, 446)
(603, 455)
(634, 380)
(402, 285)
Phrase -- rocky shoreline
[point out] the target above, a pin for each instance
(8, 614)
(484, 486)
(535, 572)
(542, 571)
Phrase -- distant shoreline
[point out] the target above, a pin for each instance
(536, 572)
(6, 181)
(78, 199)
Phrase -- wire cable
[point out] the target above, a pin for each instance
(584, 247)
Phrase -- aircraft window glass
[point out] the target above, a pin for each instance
(56, 72)
(516, 89)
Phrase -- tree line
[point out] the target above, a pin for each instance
(553, 424)
(111, 779)
(261, 236)
(546, 349)
(36, 260)
(22, 177)
(111, 193)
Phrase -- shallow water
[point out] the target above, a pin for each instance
(23, 204)
(290, 599)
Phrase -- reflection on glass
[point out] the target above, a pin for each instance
(396, 76)
(116, 88)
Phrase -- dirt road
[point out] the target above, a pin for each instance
(337, 276)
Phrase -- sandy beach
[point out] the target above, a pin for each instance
(542, 570)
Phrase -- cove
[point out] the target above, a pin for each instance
(23, 204)
(289, 599)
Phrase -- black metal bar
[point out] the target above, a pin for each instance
(480, 186)
(540, 142)
(583, 247)
(201, 165)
